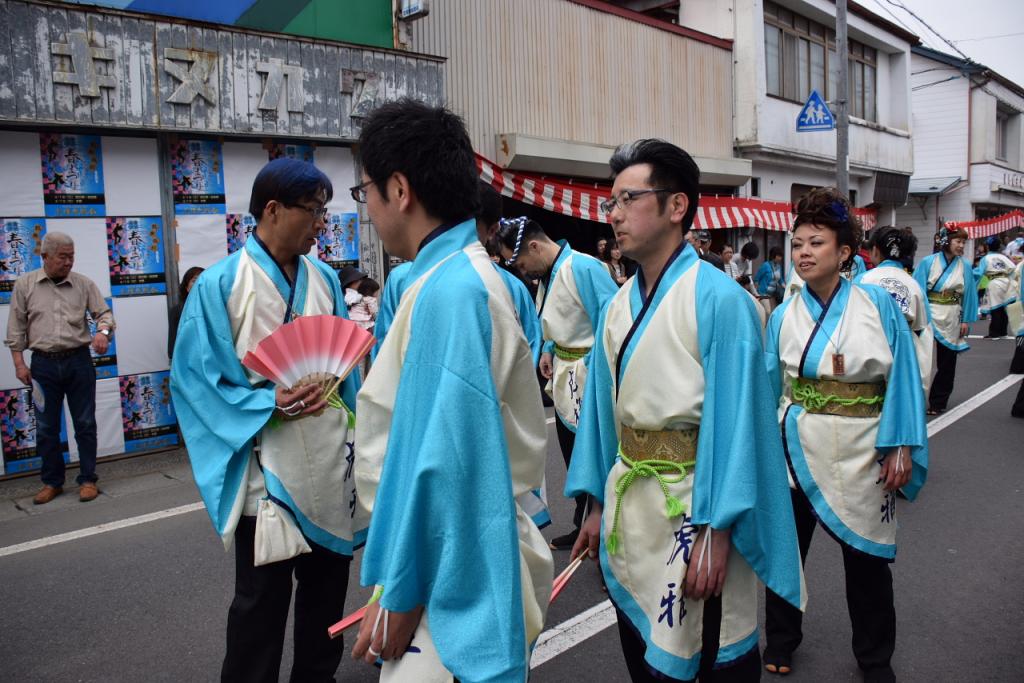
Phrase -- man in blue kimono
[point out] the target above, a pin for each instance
(273, 464)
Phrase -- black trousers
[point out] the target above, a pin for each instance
(1000, 321)
(942, 385)
(744, 669)
(1017, 364)
(869, 600)
(566, 440)
(259, 613)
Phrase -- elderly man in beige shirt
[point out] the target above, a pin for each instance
(48, 316)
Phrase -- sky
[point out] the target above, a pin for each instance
(962, 23)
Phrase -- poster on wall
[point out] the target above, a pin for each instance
(239, 227)
(18, 432)
(291, 151)
(338, 243)
(106, 365)
(146, 412)
(20, 248)
(72, 167)
(135, 250)
(197, 176)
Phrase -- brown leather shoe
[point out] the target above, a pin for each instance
(87, 492)
(46, 494)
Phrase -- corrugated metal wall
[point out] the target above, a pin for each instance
(556, 69)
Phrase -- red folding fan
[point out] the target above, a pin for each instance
(316, 349)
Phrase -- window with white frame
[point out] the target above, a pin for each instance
(1003, 116)
(800, 56)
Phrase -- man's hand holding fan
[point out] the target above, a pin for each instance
(308, 359)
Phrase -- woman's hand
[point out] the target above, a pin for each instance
(896, 469)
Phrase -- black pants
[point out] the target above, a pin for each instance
(1000, 321)
(942, 385)
(869, 601)
(566, 440)
(259, 613)
(1017, 364)
(744, 669)
(1018, 404)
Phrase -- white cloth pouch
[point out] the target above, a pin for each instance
(277, 536)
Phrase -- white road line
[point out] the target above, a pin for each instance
(971, 404)
(99, 529)
(572, 632)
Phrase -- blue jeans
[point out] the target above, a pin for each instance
(74, 377)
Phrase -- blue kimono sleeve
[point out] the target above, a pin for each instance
(595, 286)
(763, 278)
(740, 478)
(979, 270)
(921, 273)
(903, 421)
(218, 410)
(970, 303)
(390, 297)
(443, 531)
(597, 443)
(771, 350)
(526, 311)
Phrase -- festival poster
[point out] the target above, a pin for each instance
(20, 245)
(239, 227)
(147, 412)
(338, 243)
(135, 250)
(18, 432)
(106, 365)
(72, 168)
(197, 176)
(292, 151)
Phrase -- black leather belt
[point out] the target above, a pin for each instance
(58, 355)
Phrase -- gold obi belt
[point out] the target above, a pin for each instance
(948, 297)
(995, 276)
(569, 354)
(847, 399)
(663, 455)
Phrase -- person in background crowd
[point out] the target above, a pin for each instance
(678, 445)
(48, 316)
(191, 275)
(620, 268)
(948, 282)
(865, 253)
(451, 427)
(1000, 293)
(350, 277)
(702, 243)
(842, 361)
(270, 461)
(729, 264)
(1014, 249)
(749, 253)
(893, 249)
(574, 288)
(769, 277)
(601, 248)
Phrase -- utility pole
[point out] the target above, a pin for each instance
(842, 103)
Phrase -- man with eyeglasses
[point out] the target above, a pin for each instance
(678, 443)
(273, 464)
(573, 289)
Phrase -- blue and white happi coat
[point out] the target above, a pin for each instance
(937, 273)
(913, 304)
(835, 460)
(1000, 291)
(224, 409)
(569, 303)
(451, 431)
(689, 356)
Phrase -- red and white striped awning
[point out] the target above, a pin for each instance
(990, 226)
(583, 201)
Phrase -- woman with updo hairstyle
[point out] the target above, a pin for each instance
(948, 282)
(893, 250)
(841, 358)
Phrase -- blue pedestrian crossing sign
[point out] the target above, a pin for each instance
(815, 115)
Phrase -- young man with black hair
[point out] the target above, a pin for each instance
(678, 444)
(273, 464)
(573, 289)
(451, 429)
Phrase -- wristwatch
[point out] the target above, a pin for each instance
(105, 332)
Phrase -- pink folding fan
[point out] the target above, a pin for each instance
(316, 349)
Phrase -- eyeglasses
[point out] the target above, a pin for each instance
(358, 192)
(623, 199)
(319, 213)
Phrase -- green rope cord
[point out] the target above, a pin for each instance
(664, 471)
(377, 594)
(812, 399)
(565, 354)
(334, 401)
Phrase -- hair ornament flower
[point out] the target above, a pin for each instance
(838, 209)
(942, 239)
(892, 244)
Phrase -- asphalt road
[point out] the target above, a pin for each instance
(149, 602)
